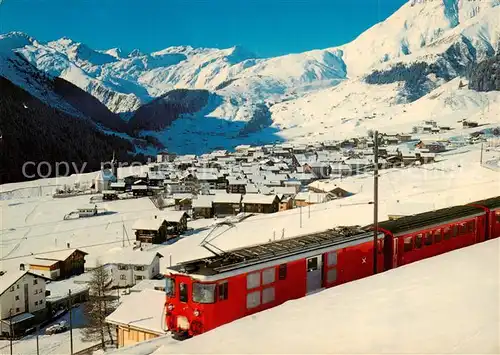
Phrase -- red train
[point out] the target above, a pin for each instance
(206, 293)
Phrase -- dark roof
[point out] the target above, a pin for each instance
(491, 203)
(428, 219)
(252, 255)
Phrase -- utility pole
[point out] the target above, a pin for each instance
(481, 159)
(37, 333)
(70, 323)
(10, 330)
(375, 203)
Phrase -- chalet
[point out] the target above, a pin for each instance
(103, 179)
(59, 265)
(404, 137)
(176, 222)
(202, 206)
(174, 187)
(183, 201)
(152, 230)
(141, 190)
(156, 179)
(296, 184)
(236, 186)
(258, 203)
(286, 203)
(329, 187)
(303, 199)
(137, 318)
(432, 146)
(127, 268)
(22, 301)
(110, 195)
(226, 204)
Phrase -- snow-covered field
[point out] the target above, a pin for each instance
(443, 305)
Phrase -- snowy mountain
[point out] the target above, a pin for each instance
(422, 46)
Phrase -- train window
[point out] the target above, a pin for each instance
(332, 258)
(463, 228)
(253, 280)
(428, 238)
(203, 293)
(454, 231)
(223, 291)
(471, 226)
(312, 264)
(437, 235)
(497, 213)
(282, 272)
(268, 295)
(418, 241)
(253, 299)
(408, 244)
(268, 276)
(183, 292)
(446, 233)
(331, 275)
(169, 287)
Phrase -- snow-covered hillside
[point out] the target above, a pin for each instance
(383, 72)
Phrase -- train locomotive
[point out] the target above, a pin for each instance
(206, 293)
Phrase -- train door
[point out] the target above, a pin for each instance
(314, 273)
(395, 249)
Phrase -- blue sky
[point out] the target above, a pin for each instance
(266, 27)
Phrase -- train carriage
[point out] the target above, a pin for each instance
(206, 293)
(492, 221)
(427, 234)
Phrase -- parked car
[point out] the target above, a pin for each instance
(60, 327)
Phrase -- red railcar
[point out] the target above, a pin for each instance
(206, 293)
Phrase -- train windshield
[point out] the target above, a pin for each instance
(170, 287)
(204, 293)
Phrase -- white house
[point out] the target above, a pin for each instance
(131, 267)
(22, 297)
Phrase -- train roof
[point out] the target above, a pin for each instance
(428, 219)
(491, 203)
(274, 250)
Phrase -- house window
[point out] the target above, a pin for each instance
(123, 277)
(17, 310)
(332, 258)
(268, 276)
(418, 241)
(139, 277)
(17, 298)
(36, 303)
(331, 275)
(223, 291)
(408, 244)
(12, 289)
(268, 295)
(17, 286)
(36, 292)
(428, 238)
(40, 302)
(183, 292)
(139, 268)
(253, 299)
(253, 280)
(122, 267)
(35, 281)
(437, 235)
(282, 272)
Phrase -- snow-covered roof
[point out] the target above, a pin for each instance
(148, 224)
(203, 201)
(132, 257)
(258, 199)
(59, 289)
(9, 278)
(141, 310)
(148, 285)
(171, 216)
(60, 255)
(227, 198)
(313, 197)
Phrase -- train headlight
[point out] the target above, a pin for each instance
(196, 313)
(170, 307)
